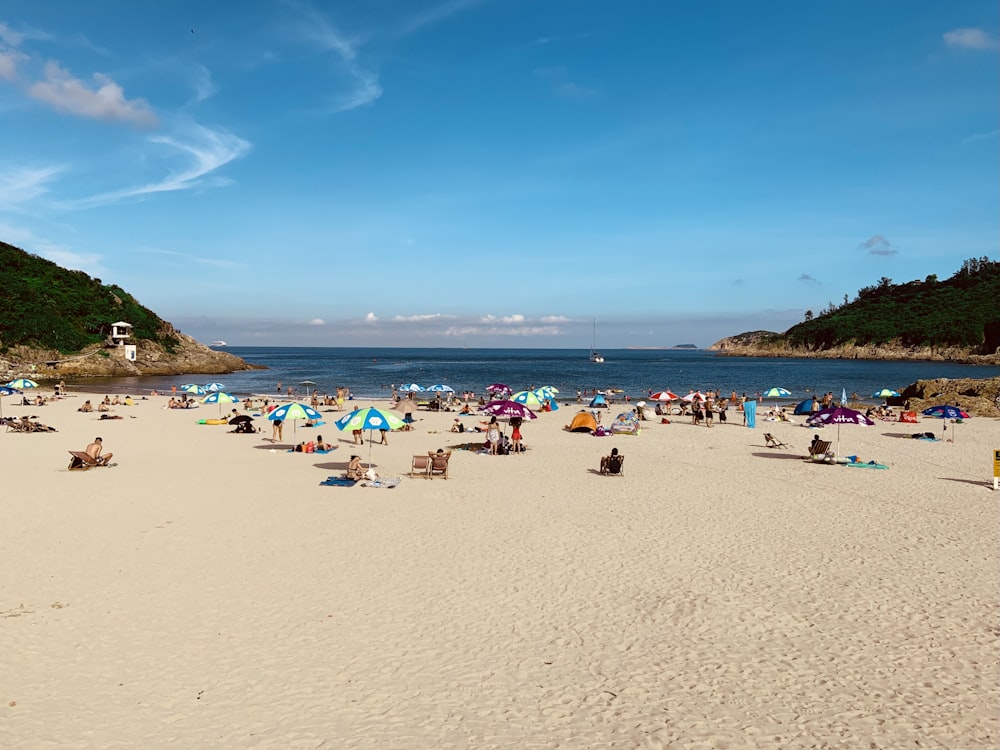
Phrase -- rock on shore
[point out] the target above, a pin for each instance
(980, 398)
(187, 356)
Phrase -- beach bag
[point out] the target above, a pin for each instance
(908, 416)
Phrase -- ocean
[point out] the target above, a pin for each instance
(370, 373)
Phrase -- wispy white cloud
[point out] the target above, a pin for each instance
(976, 39)
(554, 319)
(8, 64)
(878, 245)
(20, 185)
(421, 318)
(106, 101)
(371, 318)
(57, 253)
(316, 28)
(317, 322)
(559, 79)
(808, 278)
(435, 14)
(203, 151)
(189, 258)
(976, 137)
(10, 37)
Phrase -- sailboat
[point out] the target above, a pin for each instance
(595, 356)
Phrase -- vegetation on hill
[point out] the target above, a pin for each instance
(963, 311)
(49, 307)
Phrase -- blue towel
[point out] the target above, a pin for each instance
(750, 409)
(337, 482)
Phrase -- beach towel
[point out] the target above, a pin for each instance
(750, 409)
(337, 482)
(382, 482)
(869, 465)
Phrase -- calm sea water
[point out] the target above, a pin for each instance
(370, 373)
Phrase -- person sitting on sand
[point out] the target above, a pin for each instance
(611, 463)
(354, 470)
(322, 445)
(94, 451)
(457, 425)
(87, 406)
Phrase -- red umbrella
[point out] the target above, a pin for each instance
(664, 396)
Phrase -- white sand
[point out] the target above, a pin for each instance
(207, 592)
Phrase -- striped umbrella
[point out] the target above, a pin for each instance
(295, 411)
(664, 396)
(411, 388)
(214, 387)
(440, 388)
(194, 388)
(885, 393)
(777, 393)
(220, 398)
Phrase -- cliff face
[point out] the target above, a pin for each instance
(980, 398)
(187, 356)
(768, 344)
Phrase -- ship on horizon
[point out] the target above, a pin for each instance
(220, 342)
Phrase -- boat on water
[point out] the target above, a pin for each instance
(595, 356)
(220, 342)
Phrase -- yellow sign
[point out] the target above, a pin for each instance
(996, 463)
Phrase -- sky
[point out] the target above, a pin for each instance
(498, 173)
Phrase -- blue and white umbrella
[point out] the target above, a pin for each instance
(194, 388)
(295, 411)
(369, 419)
(440, 388)
(885, 393)
(945, 412)
(411, 388)
(777, 393)
(220, 398)
(22, 383)
(214, 387)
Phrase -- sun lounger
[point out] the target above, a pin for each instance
(83, 461)
(819, 450)
(421, 466)
(614, 464)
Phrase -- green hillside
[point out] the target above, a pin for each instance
(963, 311)
(45, 306)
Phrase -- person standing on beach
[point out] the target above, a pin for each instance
(493, 435)
(709, 405)
(515, 435)
(276, 431)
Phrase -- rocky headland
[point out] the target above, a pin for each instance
(186, 356)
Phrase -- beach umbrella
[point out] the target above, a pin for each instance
(306, 382)
(370, 419)
(411, 388)
(499, 388)
(220, 398)
(508, 409)
(22, 383)
(214, 387)
(294, 411)
(885, 393)
(664, 396)
(528, 398)
(695, 395)
(6, 390)
(945, 412)
(194, 388)
(549, 390)
(777, 393)
(440, 388)
(839, 415)
(240, 418)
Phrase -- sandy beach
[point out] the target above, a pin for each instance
(207, 591)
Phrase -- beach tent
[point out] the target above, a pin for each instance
(803, 407)
(625, 423)
(599, 401)
(583, 422)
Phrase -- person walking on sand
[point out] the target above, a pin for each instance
(276, 431)
(94, 451)
(385, 437)
(515, 435)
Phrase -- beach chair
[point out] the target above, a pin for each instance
(613, 465)
(820, 450)
(82, 461)
(421, 466)
(439, 464)
(772, 442)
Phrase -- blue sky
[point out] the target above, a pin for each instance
(498, 172)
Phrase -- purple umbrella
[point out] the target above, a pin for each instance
(499, 388)
(839, 415)
(507, 409)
